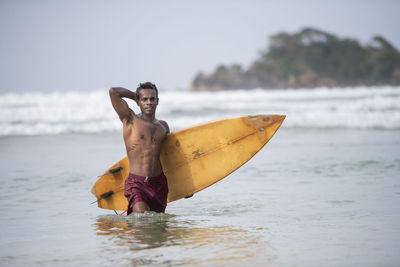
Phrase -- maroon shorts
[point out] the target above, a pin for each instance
(151, 190)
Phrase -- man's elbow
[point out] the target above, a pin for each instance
(113, 92)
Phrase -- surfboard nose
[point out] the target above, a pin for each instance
(276, 118)
(264, 120)
(264, 125)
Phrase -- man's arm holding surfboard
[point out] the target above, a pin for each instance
(120, 105)
(165, 124)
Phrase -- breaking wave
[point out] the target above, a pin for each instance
(37, 113)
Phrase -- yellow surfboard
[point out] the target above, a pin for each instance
(196, 157)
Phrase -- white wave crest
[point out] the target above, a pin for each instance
(35, 113)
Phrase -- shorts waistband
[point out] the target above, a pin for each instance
(145, 178)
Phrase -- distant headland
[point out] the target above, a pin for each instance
(307, 59)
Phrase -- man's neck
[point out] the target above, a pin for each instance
(149, 118)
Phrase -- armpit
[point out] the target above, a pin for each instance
(128, 120)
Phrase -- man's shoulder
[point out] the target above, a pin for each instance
(165, 124)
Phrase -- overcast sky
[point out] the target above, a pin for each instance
(85, 45)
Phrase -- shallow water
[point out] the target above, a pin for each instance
(327, 197)
(174, 240)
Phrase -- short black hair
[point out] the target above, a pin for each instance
(146, 85)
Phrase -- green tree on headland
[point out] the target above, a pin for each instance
(310, 58)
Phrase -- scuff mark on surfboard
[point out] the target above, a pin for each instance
(197, 154)
(261, 122)
(258, 123)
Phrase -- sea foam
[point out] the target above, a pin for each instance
(37, 113)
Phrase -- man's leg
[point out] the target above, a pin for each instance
(140, 206)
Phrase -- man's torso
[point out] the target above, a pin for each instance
(143, 144)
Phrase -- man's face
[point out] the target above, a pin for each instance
(147, 101)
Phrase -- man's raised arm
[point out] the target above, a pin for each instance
(120, 105)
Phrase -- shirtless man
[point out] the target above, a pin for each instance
(146, 187)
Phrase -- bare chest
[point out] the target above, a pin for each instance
(144, 133)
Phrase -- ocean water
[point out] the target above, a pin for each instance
(325, 191)
(35, 113)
